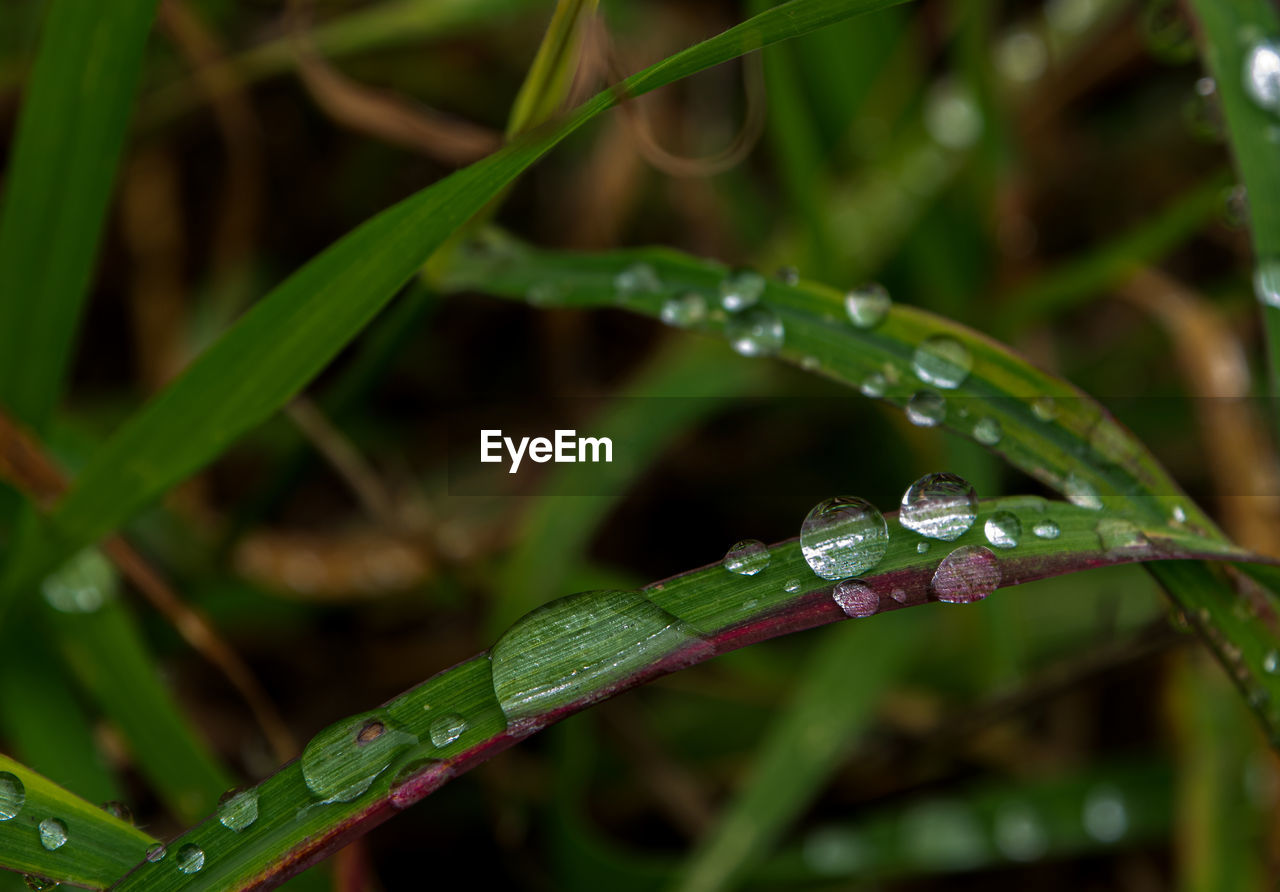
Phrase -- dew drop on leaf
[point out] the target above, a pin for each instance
(922, 548)
(53, 834)
(238, 809)
(1019, 832)
(873, 385)
(12, 796)
(1046, 529)
(756, 331)
(843, 536)
(793, 585)
(82, 584)
(939, 506)
(1271, 662)
(156, 852)
(118, 810)
(1179, 514)
(741, 289)
(1044, 408)
(942, 361)
(987, 431)
(926, 409)
(855, 599)
(868, 305)
(1115, 534)
(747, 558)
(1081, 493)
(1266, 281)
(190, 858)
(1003, 529)
(685, 311)
(1106, 818)
(447, 728)
(636, 280)
(968, 574)
(343, 760)
(1262, 76)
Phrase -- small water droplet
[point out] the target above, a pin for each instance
(118, 810)
(873, 385)
(843, 536)
(1003, 529)
(942, 361)
(12, 796)
(238, 809)
(38, 883)
(856, 599)
(1046, 529)
(190, 858)
(156, 852)
(636, 280)
(793, 585)
(343, 760)
(685, 311)
(82, 584)
(1044, 408)
(747, 558)
(447, 728)
(1266, 282)
(751, 604)
(1203, 112)
(868, 305)
(1115, 534)
(836, 851)
(1019, 832)
(951, 115)
(1271, 662)
(756, 331)
(939, 506)
(1105, 816)
(922, 548)
(1081, 493)
(1236, 207)
(810, 363)
(1262, 76)
(926, 408)
(53, 834)
(968, 574)
(1179, 514)
(741, 289)
(787, 275)
(987, 431)
(542, 294)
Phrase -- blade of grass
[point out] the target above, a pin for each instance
(547, 83)
(97, 846)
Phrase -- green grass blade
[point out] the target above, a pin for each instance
(362, 770)
(547, 84)
(96, 847)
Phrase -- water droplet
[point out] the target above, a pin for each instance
(939, 506)
(922, 548)
(968, 574)
(756, 331)
(951, 115)
(1019, 833)
(1003, 529)
(787, 275)
(447, 728)
(12, 796)
(542, 294)
(873, 385)
(843, 536)
(1266, 282)
(942, 361)
(741, 289)
(1115, 534)
(156, 852)
(856, 599)
(1022, 56)
(38, 883)
(1271, 662)
(238, 809)
(868, 305)
(1081, 493)
(1235, 207)
(1179, 514)
(747, 558)
(118, 810)
(926, 409)
(53, 834)
(82, 584)
(1262, 76)
(1046, 529)
(636, 280)
(944, 835)
(1105, 816)
(1203, 112)
(685, 310)
(574, 648)
(343, 760)
(810, 363)
(987, 431)
(190, 858)
(1044, 408)
(836, 851)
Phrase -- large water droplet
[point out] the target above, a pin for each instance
(1019, 832)
(575, 648)
(741, 289)
(867, 306)
(1046, 529)
(190, 858)
(873, 385)
(82, 584)
(942, 361)
(685, 310)
(939, 506)
(926, 408)
(1115, 534)
(1105, 816)
(747, 558)
(1266, 282)
(447, 728)
(636, 280)
(843, 536)
(968, 574)
(1081, 493)
(12, 796)
(1262, 75)
(987, 431)
(238, 810)
(343, 760)
(156, 852)
(53, 834)
(756, 331)
(856, 599)
(1003, 529)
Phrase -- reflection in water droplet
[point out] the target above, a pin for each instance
(843, 536)
(343, 760)
(747, 558)
(1081, 493)
(1044, 408)
(1115, 534)
(942, 361)
(926, 409)
(1046, 529)
(968, 574)
(636, 280)
(793, 585)
(1262, 76)
(238, 809)
(856, 599)
(53, 834)
(156, 852)
(12, 796)
(987, 431)
(447, 728)
(1105, 816)
(1003, 529)
(873, 385)
(756, 331)
(939, 506)
(82, 584)
(685, 310)
(867, 306)
(1019, 833)
(190, 858)
(740, 289)
(1266, 282)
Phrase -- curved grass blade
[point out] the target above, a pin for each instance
(547, 83)
(576, 651)
(291, 334)
(49, 832)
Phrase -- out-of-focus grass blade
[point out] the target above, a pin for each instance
(547, 83)
(49, 832)
(291, 334)
(834, 701)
